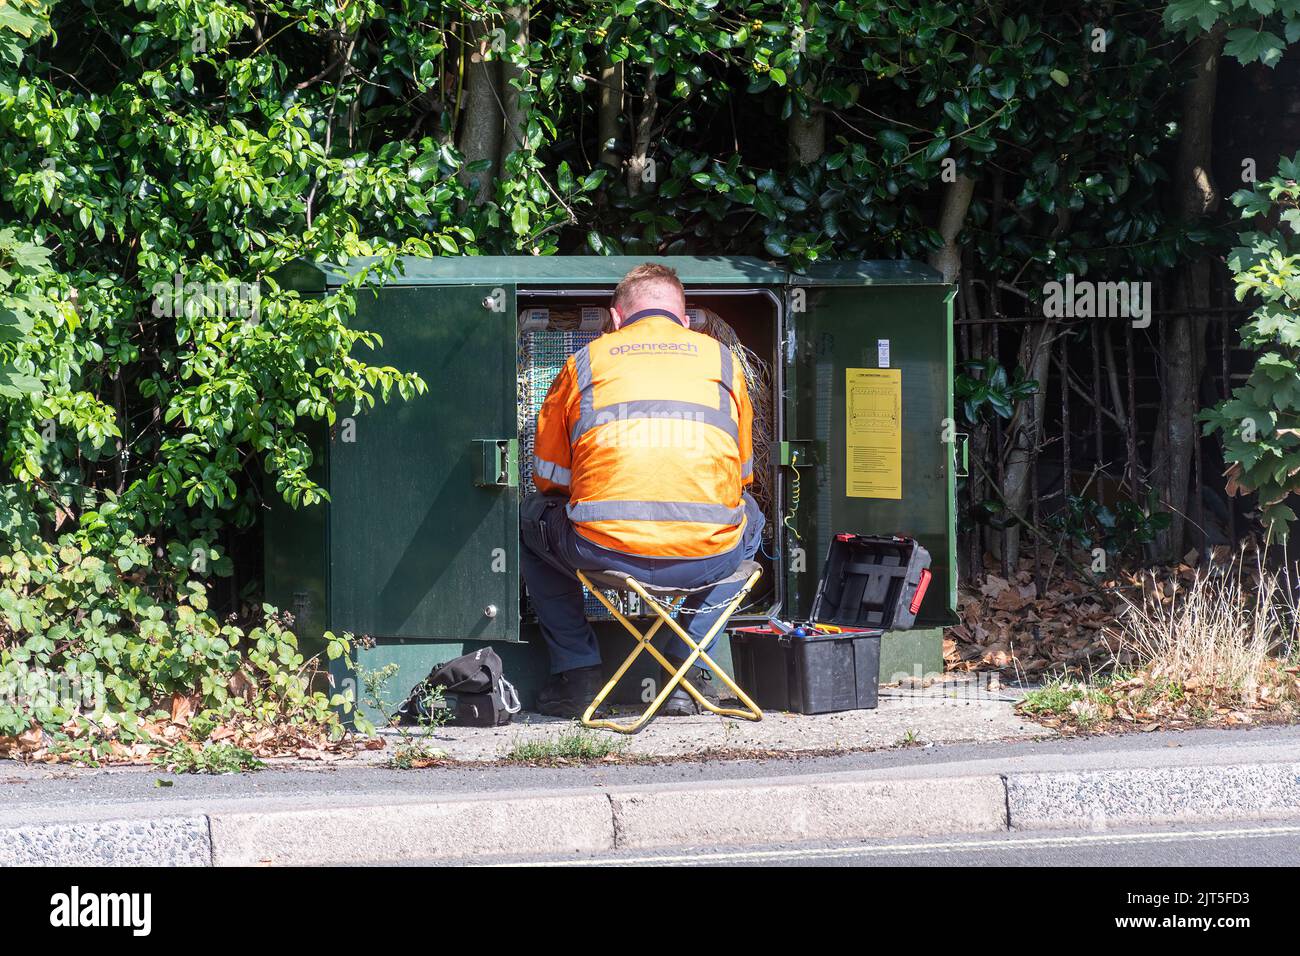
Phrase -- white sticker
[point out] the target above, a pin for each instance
(882, 353)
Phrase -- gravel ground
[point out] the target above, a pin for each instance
(956, 711)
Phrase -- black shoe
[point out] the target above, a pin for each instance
(568, 693)
(682, 704)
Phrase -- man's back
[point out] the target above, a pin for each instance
(648, 430)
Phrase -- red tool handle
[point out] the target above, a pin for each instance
(921, 585)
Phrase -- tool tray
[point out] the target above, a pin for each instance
(872, 581)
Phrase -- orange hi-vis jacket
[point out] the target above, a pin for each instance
(647, 429)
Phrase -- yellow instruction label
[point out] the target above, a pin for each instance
(874, 433)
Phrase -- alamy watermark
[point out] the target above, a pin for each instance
(77, 908)
(229, 299)
(919, 687)
(42, 689)
(665, 428)
(1084, 299)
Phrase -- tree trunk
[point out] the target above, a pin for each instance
(609, 107)
(956, 201)
(1025, 431)
(513, 102)
(806, 135)
(480, 135)
(645, 122)
(1184, 333)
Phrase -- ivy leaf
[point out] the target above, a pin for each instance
(519, 219)
(777, 245)
(892, 140)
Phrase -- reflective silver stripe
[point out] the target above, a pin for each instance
(699, 512)
(747, 468)
(582, 369)
(724, 388)
(655, 408)
(551, 471)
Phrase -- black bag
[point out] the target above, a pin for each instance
(475, 693)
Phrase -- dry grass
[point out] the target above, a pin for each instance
(1227, 631)
(1219, 647)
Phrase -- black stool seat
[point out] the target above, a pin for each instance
(617, 581)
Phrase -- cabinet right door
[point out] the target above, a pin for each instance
(868, 406)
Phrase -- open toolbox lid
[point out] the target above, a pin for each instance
(872, 581)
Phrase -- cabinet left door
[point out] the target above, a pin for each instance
(424, 517)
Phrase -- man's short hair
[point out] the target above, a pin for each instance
(642, 279)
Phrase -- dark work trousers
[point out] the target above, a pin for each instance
(552, 549)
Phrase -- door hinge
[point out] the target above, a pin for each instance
(496, 462)
(961, 455)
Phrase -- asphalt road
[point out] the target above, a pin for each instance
(1273, 843)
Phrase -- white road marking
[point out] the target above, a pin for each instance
(889, 849)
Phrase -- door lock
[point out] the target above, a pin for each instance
(799, 454)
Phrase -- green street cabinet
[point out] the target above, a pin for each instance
(418, 547)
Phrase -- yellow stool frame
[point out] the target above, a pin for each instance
(622, 581)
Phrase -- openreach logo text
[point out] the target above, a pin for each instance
(1084, 299)
(77, 909)
(653, 348)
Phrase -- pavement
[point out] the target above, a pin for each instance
(352, 813)
(957, 709)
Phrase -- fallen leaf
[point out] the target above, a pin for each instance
(993, 585)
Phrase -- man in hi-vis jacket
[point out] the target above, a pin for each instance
(642, 455)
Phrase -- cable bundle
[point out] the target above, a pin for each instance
(758, 376)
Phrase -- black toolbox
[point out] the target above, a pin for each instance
(869, 585)
(817, 674)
